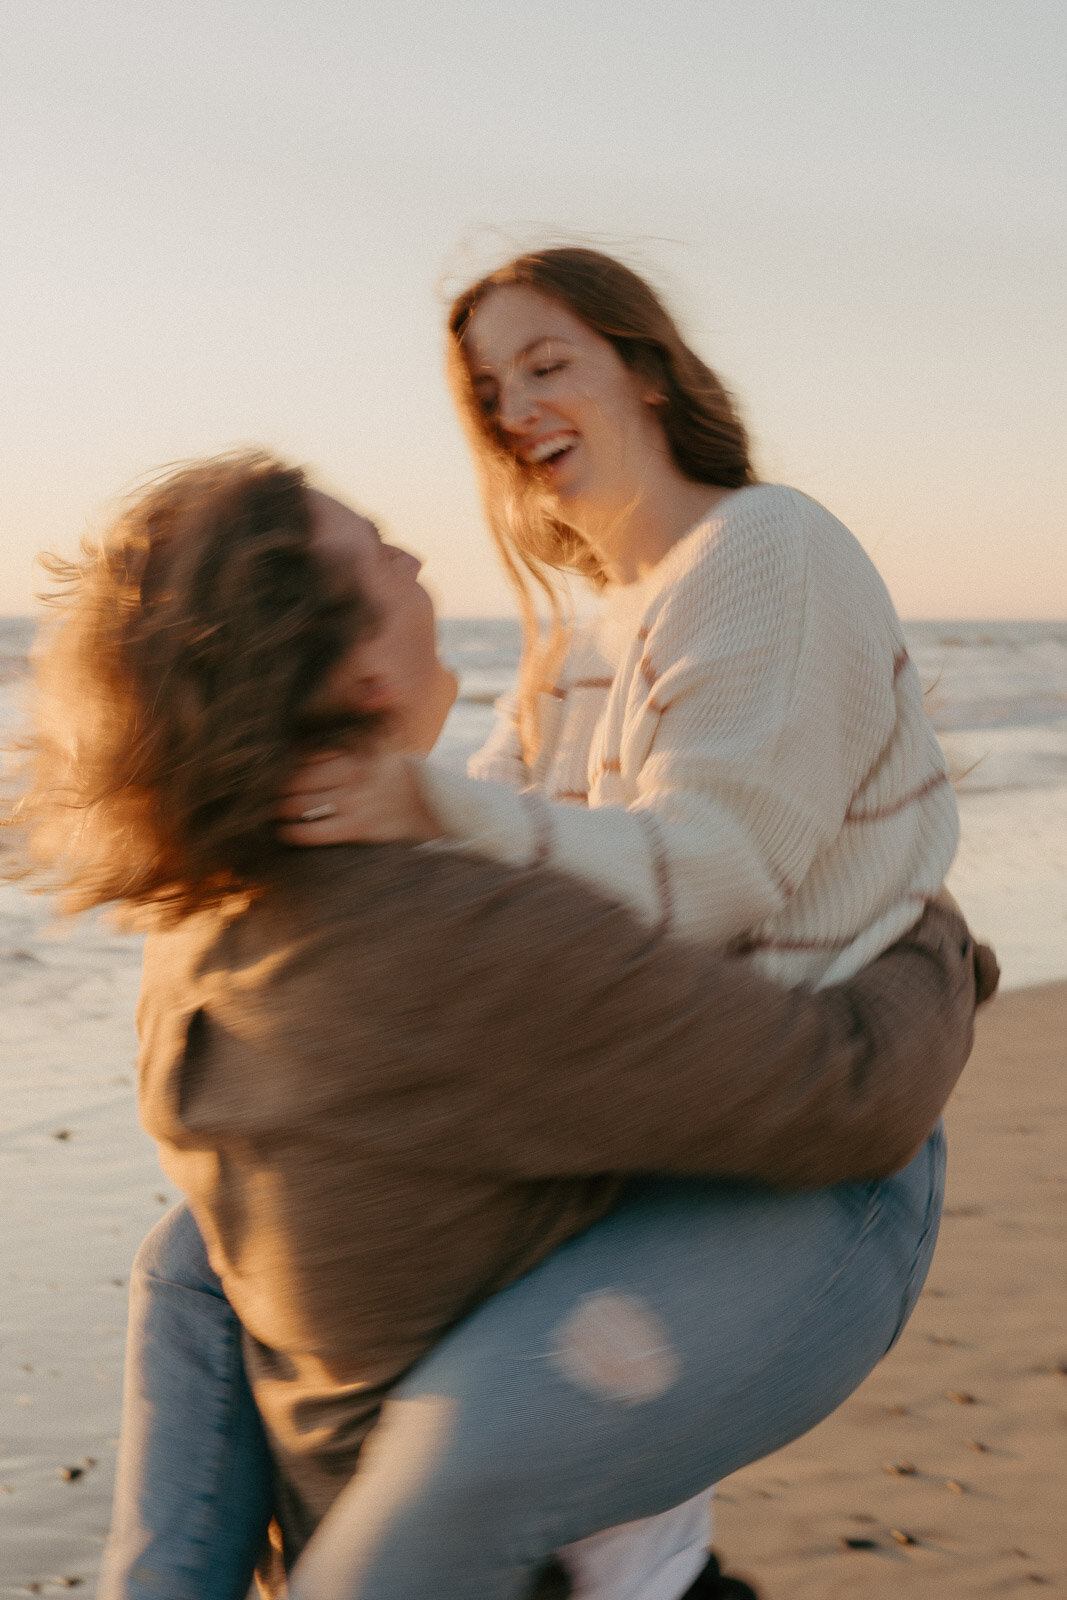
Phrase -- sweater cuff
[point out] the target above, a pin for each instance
(613, 850)
(489, 818)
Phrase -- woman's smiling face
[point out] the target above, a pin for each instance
(563, 400)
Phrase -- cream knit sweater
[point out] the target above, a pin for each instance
(738, 748)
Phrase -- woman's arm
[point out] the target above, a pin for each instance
(500, 759)
(606, 1057)
(549, 1036)
(761, 697)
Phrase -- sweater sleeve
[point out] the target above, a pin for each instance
(752, 714)
(500, 759)
(550, 1037)
(712, 1069)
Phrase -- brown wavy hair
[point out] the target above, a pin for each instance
(175, 687)
(706, 436)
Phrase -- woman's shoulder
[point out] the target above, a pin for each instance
(768, 517)
(768, 536)
(384, 912)
(433, 916)
(359, 883)
(757, 539)
(776, 516)
(769, 564)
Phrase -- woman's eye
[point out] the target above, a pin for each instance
(548, 368)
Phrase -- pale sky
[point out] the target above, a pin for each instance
(234, 223)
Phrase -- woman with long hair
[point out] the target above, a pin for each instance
(738, 742)
(737, 746)
(737, 750)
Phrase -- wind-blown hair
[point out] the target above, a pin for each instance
(174, 689)
(706, 436)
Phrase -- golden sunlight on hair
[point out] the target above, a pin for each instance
(170, 690)
(700, 422)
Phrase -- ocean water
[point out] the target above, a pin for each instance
(997, 695)
(996, 692)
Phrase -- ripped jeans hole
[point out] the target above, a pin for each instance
(615, 1346)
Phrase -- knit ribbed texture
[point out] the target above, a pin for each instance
(764, 713)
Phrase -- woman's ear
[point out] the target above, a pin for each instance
(647, 376)
(650, 386)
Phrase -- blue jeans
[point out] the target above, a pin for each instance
(698, 1327)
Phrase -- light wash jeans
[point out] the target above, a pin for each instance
(698, 1327)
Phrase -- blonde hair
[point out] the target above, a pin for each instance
(172, 690)
(706, 436)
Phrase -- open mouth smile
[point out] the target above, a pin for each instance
(550, 450)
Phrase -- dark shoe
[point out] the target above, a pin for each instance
(711, 1584)
(551, 1583)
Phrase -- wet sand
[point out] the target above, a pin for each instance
(958, 1440)
(80, 1186)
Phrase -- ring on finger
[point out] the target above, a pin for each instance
(317, 813)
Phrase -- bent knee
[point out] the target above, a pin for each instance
(174, 1252)
(614, 1346)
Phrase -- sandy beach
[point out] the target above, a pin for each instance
(958, 1440)
(689, 369)
(981, 1361)
(80, 1186)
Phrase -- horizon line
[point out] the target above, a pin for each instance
(501, 616)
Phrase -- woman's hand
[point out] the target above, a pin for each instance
(338, 798)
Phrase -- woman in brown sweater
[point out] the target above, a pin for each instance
(395, 1081)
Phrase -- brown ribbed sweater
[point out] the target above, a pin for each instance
(401, 1078)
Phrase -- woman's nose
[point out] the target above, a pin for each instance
(516, 411)
(402, 562)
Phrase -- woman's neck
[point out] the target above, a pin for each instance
(633, 539)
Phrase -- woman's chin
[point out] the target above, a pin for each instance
(449, 695)
(424, 729)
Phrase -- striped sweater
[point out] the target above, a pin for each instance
(737, 748)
